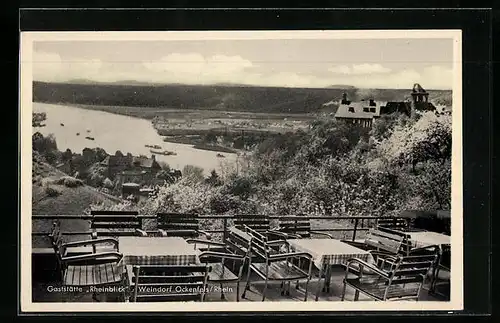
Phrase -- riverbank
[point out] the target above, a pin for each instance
(114, 132)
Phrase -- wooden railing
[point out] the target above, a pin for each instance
(359, 223)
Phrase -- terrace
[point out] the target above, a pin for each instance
(76, 228)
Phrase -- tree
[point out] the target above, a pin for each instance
(214, 179)
(118, 153)
(67, 155)
(193, 173)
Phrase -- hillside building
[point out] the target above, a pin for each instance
(364, 112)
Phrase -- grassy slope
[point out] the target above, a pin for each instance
(71, 201)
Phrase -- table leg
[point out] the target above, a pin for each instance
(318, 288)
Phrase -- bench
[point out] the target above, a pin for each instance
(180, 225)
(384, 240)
(116, 223)
(297, 228)
(255, 222)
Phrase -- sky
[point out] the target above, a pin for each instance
(316, 63)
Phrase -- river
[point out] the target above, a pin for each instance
(113, 132)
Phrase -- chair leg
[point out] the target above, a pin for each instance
(356, 295)
(238, 291)
(247, 284)
(306, 290)
(343, 291)
(222, 296)
(264, 291)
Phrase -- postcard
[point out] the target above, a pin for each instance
(241, 171)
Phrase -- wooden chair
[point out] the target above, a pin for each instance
(401, 279)
(275, 266)
(91, 269)
(297, 228)
(116, 223)
(443, 266)
(151, 283)
(180, 225)
(81, 247)
(226, 259)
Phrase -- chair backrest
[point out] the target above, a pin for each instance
(414, 265)
(256, 222)
(238, 242)
(300, 226)
(259, 248)
(383, 239)
(57, 242)
(394, 223)
(168, 283)
(115, 221)
(178, 224)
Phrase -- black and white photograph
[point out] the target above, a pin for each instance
(241, 170)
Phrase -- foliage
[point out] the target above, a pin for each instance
(69, 181)
(193, 173)
(52, 191)
(107, 183)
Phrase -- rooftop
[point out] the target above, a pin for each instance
(359, 110)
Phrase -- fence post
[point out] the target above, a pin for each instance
(355, 228)
(224, 224)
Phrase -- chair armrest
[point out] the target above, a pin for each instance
(361, 264)
(221, 255)
(93, 256)
(276, 232)
(162, 232)
(322, 233)
(282, 256)
(360, 245)
(277, 242)
(91, 242)
(206, 234)
(207, 242)
(141, 233)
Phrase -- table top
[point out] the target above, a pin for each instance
(426, 238)
(155, 246)
(328, 251)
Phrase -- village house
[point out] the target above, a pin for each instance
(364, 112)
(136, 166)
(361, 113)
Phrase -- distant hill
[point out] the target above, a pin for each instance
(209, 97)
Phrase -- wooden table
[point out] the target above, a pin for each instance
(422, 239)
(328, 252)
(157, 251)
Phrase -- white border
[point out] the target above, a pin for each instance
(27, 39)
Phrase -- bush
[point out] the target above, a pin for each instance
(108, 184)
(69, 181)
(52, 191)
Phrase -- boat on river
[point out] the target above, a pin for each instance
(89, 138)
(220, 156)
(62, 124)
(164, 152)
(153, 146)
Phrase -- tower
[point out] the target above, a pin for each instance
(419, 98)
